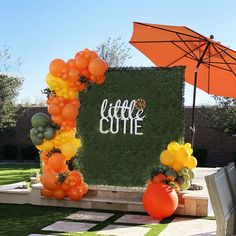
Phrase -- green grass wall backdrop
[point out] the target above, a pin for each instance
(127, 159)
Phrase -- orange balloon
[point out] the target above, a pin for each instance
(84, 187)
(74, 193)
(58, 67)
(71, 62)
(59, 194)
(73, 73)
(70, 111)
(56, 162)
(160, 200)
(81, 62)
(54, 109)
(97, 67)
(100, 80)
(77, 176)
(46, 192)
(49, 180)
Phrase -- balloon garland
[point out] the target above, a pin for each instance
(167, 179)
(55, 138)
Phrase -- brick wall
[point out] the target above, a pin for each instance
(221, 149)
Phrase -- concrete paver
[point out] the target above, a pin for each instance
(182, 226)
(88, 215)
(136, 219)
(121, 230)
(65, 226)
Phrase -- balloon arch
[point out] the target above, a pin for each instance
(55, 138)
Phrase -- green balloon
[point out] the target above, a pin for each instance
(185, 185)
(40, 119)
(40, 135)
(171, 172)
(33, 131)
(49, 133)
(186, 177)
(40, 129)
(180, 180)
(191, 174)
(37, 141)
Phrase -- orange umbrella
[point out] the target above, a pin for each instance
(210, 66)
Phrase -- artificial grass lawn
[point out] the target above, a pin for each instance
(27, 219)
(12, 173)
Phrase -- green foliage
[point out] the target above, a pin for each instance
(223, 116)
(126, 160)
(9, 88)
(114, 52)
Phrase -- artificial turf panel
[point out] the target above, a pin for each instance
(127, 159)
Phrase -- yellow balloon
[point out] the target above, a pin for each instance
(166, 158)
(188, 146)
(177, 166)
(68, 150)
(77, 142)
(182, 154)
(173, 146)
(47, 145)
(62, 137)
(191, 163)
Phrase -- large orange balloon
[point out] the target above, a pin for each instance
(160, 200)
(97, 67)
(57, 162)
(49, 180)
(80, 61)
(70, 111)
(58, 67)
(54, 109)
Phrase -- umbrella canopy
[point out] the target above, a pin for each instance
(210, 66)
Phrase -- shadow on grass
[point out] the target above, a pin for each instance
(25, 219)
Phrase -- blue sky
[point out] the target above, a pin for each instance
(41, 30)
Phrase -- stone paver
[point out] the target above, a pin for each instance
(121, 230)
(137, 219)
(39, 235)
(65, 226)
(181, 226)
(88, 215)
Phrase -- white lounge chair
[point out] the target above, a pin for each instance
(222, 202)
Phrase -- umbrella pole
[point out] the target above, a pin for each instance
(192, 127)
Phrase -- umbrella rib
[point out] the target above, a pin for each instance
(224, 60)
(185, 55)
(209, 65)
(164, 41)
(172, 31)
(190, 56)
(187, 46)
(218, 53)
(217, 62)
(228, 53)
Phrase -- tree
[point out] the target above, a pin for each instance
(9, 89)
(223, 116)
(114, 52)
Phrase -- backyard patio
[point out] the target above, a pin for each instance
(98, 221)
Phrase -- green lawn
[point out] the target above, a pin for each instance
(28, 219)
(12, 173)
